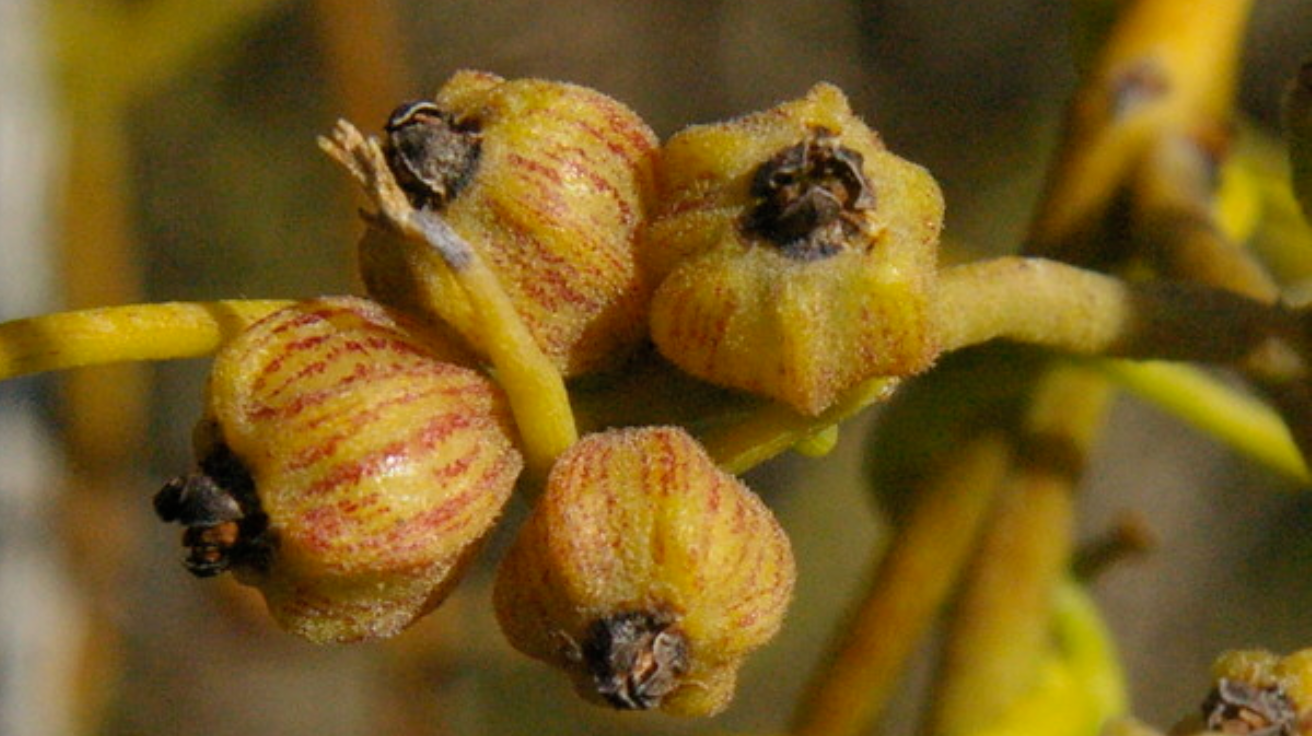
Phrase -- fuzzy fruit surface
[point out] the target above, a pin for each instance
(646, 573)
(378, 460)
(807, 306)
(554, 201)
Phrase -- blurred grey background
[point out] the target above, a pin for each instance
(199, 178)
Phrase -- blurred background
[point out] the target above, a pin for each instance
(164, 150)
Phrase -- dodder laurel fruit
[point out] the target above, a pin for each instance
(347, 469)
(646, 573)
(795, 254)
(550, 183)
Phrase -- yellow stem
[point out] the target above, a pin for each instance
(1174, 219)
(114, 52)
(911, 581)
(533, 385)
(135, 332)
(998, 636)
(819, 444)
(1051, 304)
(1298, 127)
(1167, 66)
(1089, 647)
(1080, 687)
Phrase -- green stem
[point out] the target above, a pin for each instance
(1237, 420)
(774, 428)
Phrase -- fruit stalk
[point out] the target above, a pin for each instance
(134, 332)
(534, 387)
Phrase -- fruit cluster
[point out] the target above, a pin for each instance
(355, 451)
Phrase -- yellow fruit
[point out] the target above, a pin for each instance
(795, 255)
(646, 573)
(551, 184)
(347, 469)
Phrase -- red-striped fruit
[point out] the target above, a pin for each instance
(795, 255)
(550, 183)
(646, 573)
(348, 467)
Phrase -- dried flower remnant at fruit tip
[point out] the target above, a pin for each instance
(1238, 707)
(432, 155)
(795, 256)
(349, 463)
(635, 658)
(809, 197)
(646, 573)
(217, 505)
(549, 183)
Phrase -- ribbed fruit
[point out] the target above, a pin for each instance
(362, 467)
(551, 184)
(646, 573)
(795, 254)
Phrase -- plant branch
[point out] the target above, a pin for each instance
(1175, 221)
(1054, 305)
(135, 332)
(1167, 66)
(998, 635)
(910, 583)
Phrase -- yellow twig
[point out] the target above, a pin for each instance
(135, 332)
(998, 635)
(1298, 129)
(1046, 303)
(1080, 687)
(1147, 80)
(1176, 223)
(910, 583)
(114, 52)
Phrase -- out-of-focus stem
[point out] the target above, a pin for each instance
(1176, 225)
(1239, 421)
(136, 332)
(1298, 130)
(911, 581)
(1168, 65)
(999, 630)
(1128, 537)
(116, 52)
(1051, 304)
(1166, 69)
